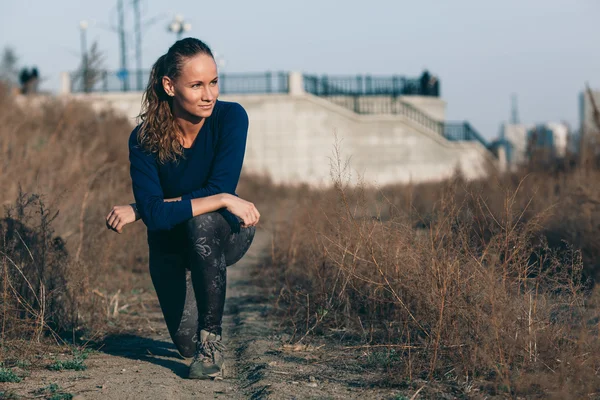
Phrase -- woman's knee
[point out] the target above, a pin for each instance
(209, 224)
(239, 244)
(207, 234)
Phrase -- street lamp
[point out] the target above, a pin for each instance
(178, 26)
(83, 25)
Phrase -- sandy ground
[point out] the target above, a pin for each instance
(261, 364)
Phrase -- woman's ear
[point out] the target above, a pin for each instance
(168, 86)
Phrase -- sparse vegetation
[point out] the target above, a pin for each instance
(23, 364)
(8, 375)
(60, 365)
(76, 363)
(9, 395)
(489, 280)
(53, 392)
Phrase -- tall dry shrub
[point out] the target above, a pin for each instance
(63, 165)
(461, 280)
(35, 276)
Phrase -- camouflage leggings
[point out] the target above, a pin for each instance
(188, 270)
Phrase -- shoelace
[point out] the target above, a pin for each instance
(207, 349)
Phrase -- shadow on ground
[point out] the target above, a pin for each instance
(145, 349)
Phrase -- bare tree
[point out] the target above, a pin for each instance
(91, 69)
(9, 71)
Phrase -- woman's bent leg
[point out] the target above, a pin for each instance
(238, 244)
(214, 247)
(208, 234)
(191, 285)
(172, 282)
(210, 242)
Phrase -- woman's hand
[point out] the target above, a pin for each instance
(120, 216)
(243, 209)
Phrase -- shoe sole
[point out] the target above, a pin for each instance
(218, 376)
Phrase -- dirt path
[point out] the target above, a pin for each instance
(145, 365)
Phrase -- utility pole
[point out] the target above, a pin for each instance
(123, 73)
(138, 44)
(515, 111)
(83, 25)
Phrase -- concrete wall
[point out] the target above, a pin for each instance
(435, 107)
(292, 139)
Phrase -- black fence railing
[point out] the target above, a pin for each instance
(462, 131)
(253, 83)
(361, 94)
(371, 85)
(110, 81)
(270, 82)
(386, 105)
(257, 83)
(454, 131)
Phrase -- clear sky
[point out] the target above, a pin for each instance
(482, 50)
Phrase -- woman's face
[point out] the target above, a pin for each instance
(196, 89)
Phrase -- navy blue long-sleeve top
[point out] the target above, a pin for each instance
(211, 166)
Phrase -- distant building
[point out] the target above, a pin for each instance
(514, 138)
(548, 142)
(521, 141)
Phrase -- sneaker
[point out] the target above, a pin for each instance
(208, 360)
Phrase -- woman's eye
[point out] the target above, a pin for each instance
(214, 83)
(195, 85)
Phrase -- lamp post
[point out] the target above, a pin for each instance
(83, 25)
(178, 26)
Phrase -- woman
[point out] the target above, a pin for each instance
(185, 158)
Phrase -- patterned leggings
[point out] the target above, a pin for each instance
(188, 270)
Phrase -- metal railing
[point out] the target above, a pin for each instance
(110, 81)
(368, 85)
(386, 105)
(361, 94)
(134, 80)
(257, 83)
(269, 82)
(462, 131)
(454, 131)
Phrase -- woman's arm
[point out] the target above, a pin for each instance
(120, 216)
(137, 213)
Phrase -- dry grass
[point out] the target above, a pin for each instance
(62, 167)
(480, 284)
